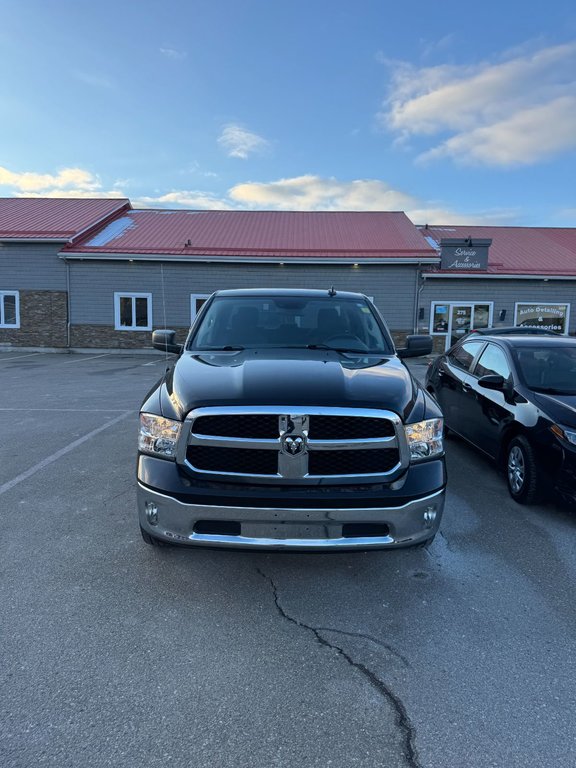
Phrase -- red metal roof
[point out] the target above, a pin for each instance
(53, 218)
(519, 250)
(259, 234)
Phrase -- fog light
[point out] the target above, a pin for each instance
(429, 516)
(151, 512)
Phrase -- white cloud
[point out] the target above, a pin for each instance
(313, 193)
(484, 107)
(302, 193)
(69, 182)
(184, 199)
(172, 53)
(239, 142)
(526, 137)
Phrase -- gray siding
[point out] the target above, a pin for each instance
(504, 294)
(31, 267)
(93, 284)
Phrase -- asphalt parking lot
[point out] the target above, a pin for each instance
(116, 654)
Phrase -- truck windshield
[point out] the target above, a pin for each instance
(293, 322)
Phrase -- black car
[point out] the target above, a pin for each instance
(514, 397)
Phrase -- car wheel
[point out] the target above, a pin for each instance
(152, 540)
(522, 471)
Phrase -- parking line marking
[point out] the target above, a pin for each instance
(62, 452)
(32, 354)
(67, 410)
(83, 359)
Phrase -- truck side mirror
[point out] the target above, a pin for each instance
(165, 341)
(416, 345)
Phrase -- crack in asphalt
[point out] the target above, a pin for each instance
(403, 721)
(392, 651)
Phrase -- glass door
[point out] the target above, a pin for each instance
(459, 323)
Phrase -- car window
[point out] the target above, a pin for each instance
(290, 321)
(462, 355)
(548, 369)
(493, 362)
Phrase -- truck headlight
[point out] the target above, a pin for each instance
(425, 439)
(158, 435)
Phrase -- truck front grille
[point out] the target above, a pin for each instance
(352, 462)
(235, 460)
(294, 444)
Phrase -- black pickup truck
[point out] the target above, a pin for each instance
(288, 421)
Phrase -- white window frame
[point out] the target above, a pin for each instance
(127, 295)
(193, 297)
(16, 295)
(546, 304)
(450, 304)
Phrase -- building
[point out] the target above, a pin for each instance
(83, 274)
(34, 292)
(491, 276)
(137, 270)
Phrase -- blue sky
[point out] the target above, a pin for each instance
(455, 112)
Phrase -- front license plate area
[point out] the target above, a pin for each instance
(286, 531)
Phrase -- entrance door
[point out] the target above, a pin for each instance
(460, 322)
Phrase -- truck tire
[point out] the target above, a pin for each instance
(152, 540)
(522, 472)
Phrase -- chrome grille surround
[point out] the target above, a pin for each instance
(293, 445)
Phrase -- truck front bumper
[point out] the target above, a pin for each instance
(278, 528)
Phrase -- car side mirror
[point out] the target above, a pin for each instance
(165, 341)
(416, 345)
(492, 381)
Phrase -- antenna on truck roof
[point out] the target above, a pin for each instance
(332, 291)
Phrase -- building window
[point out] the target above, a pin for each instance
(196, 302)
(9, 309)
(133, 311)
(551, 317)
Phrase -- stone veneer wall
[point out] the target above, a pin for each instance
(43, 319)
(106, 337)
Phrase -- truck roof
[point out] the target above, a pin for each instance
(301, 292)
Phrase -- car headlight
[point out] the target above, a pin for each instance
(565, 433)
(425, 438)
(158, 436)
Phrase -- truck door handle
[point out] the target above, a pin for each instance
(466, 387)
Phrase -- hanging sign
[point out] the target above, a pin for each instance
(464, 255)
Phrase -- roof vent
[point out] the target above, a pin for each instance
(188, 243)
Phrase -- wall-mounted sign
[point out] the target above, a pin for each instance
(552, 317)
(464, 254)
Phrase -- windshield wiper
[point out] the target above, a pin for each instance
(343, 349)
(227, 348)
(553, 391)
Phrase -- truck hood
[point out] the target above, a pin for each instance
(287, 377)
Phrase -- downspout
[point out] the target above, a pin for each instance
(68, 303)
(417, 291)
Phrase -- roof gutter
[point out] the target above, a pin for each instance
(34, 239)
(71, 256)
(492, 276)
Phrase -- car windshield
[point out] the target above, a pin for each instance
(233, 322)
(548, 369)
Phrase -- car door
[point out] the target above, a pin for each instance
(455, 382)
(490, 410)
